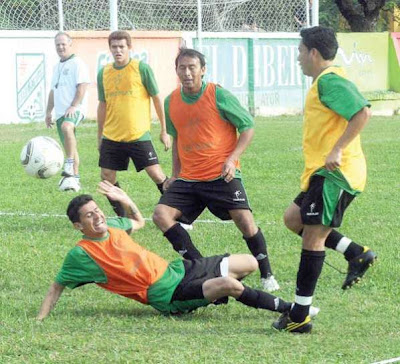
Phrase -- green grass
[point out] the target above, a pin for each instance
(90, 325)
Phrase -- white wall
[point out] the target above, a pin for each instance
(26, 61)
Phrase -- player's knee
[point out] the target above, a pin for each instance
(246, 223)
(234, 287)
(159, 216)
(67, 128)
(231, 286)
(108, 175)
(252, 263)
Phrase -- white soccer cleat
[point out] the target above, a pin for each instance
(69, 184)
(270, 284)
(186, 226)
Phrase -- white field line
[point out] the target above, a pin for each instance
(29, 214)
(394, 360)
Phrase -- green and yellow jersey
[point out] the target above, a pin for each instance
(126, 91)
(205, 126)
(330, 104)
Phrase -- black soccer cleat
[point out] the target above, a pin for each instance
(221, 301)
(285, 323)
(358, 266)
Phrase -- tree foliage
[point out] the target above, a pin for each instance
(359, 15)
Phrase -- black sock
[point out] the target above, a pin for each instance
(160, 186)
(310, 268)
(181, 242)
(258, 248)
(333, 240)
(260, 299)
(117, 207)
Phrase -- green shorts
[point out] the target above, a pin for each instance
(324, 203)
(159, 295)
(74, 120)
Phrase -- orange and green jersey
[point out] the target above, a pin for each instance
(126, 91)
(205, 126)
(115, 263)
(330, 104)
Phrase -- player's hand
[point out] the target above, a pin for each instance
(228, 171)
(71, 111)
(333, 160)
(49, 121)
(99, 141)
(167, 184)
(166, 140)
(112, 192)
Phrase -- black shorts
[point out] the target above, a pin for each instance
(324, 203)
(115, 155)
(197, 271)
(191, 198)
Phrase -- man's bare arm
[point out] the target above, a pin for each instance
(101, 118)
(117, 194)
(164, 137)
(50, 300)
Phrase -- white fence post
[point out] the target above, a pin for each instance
(199, 25)
(315, 13)
(60, 16)
(113, 15)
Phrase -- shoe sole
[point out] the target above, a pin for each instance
(358, 279)
(307, 329)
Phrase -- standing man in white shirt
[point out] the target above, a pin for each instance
(69, 100)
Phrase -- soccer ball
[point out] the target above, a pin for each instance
(42, 157)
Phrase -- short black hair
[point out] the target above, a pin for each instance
(192, 53)
(322, 39)
(74, 206)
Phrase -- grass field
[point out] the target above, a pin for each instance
(90, 325)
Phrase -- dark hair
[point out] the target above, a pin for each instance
(192, 53)
(74, 206)
(119, 35)
(322, 39)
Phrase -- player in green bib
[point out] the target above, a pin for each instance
(334, 172)
(108, 257)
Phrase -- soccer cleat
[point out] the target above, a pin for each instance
(221, 301)
(358, 266)
(270, 284)
(284, 323)
(69, 184)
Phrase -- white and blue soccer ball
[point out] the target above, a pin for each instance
(42, 157)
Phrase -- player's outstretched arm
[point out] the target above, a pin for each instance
(50, 300)
(117, 194)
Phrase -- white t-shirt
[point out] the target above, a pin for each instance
(67, 76)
